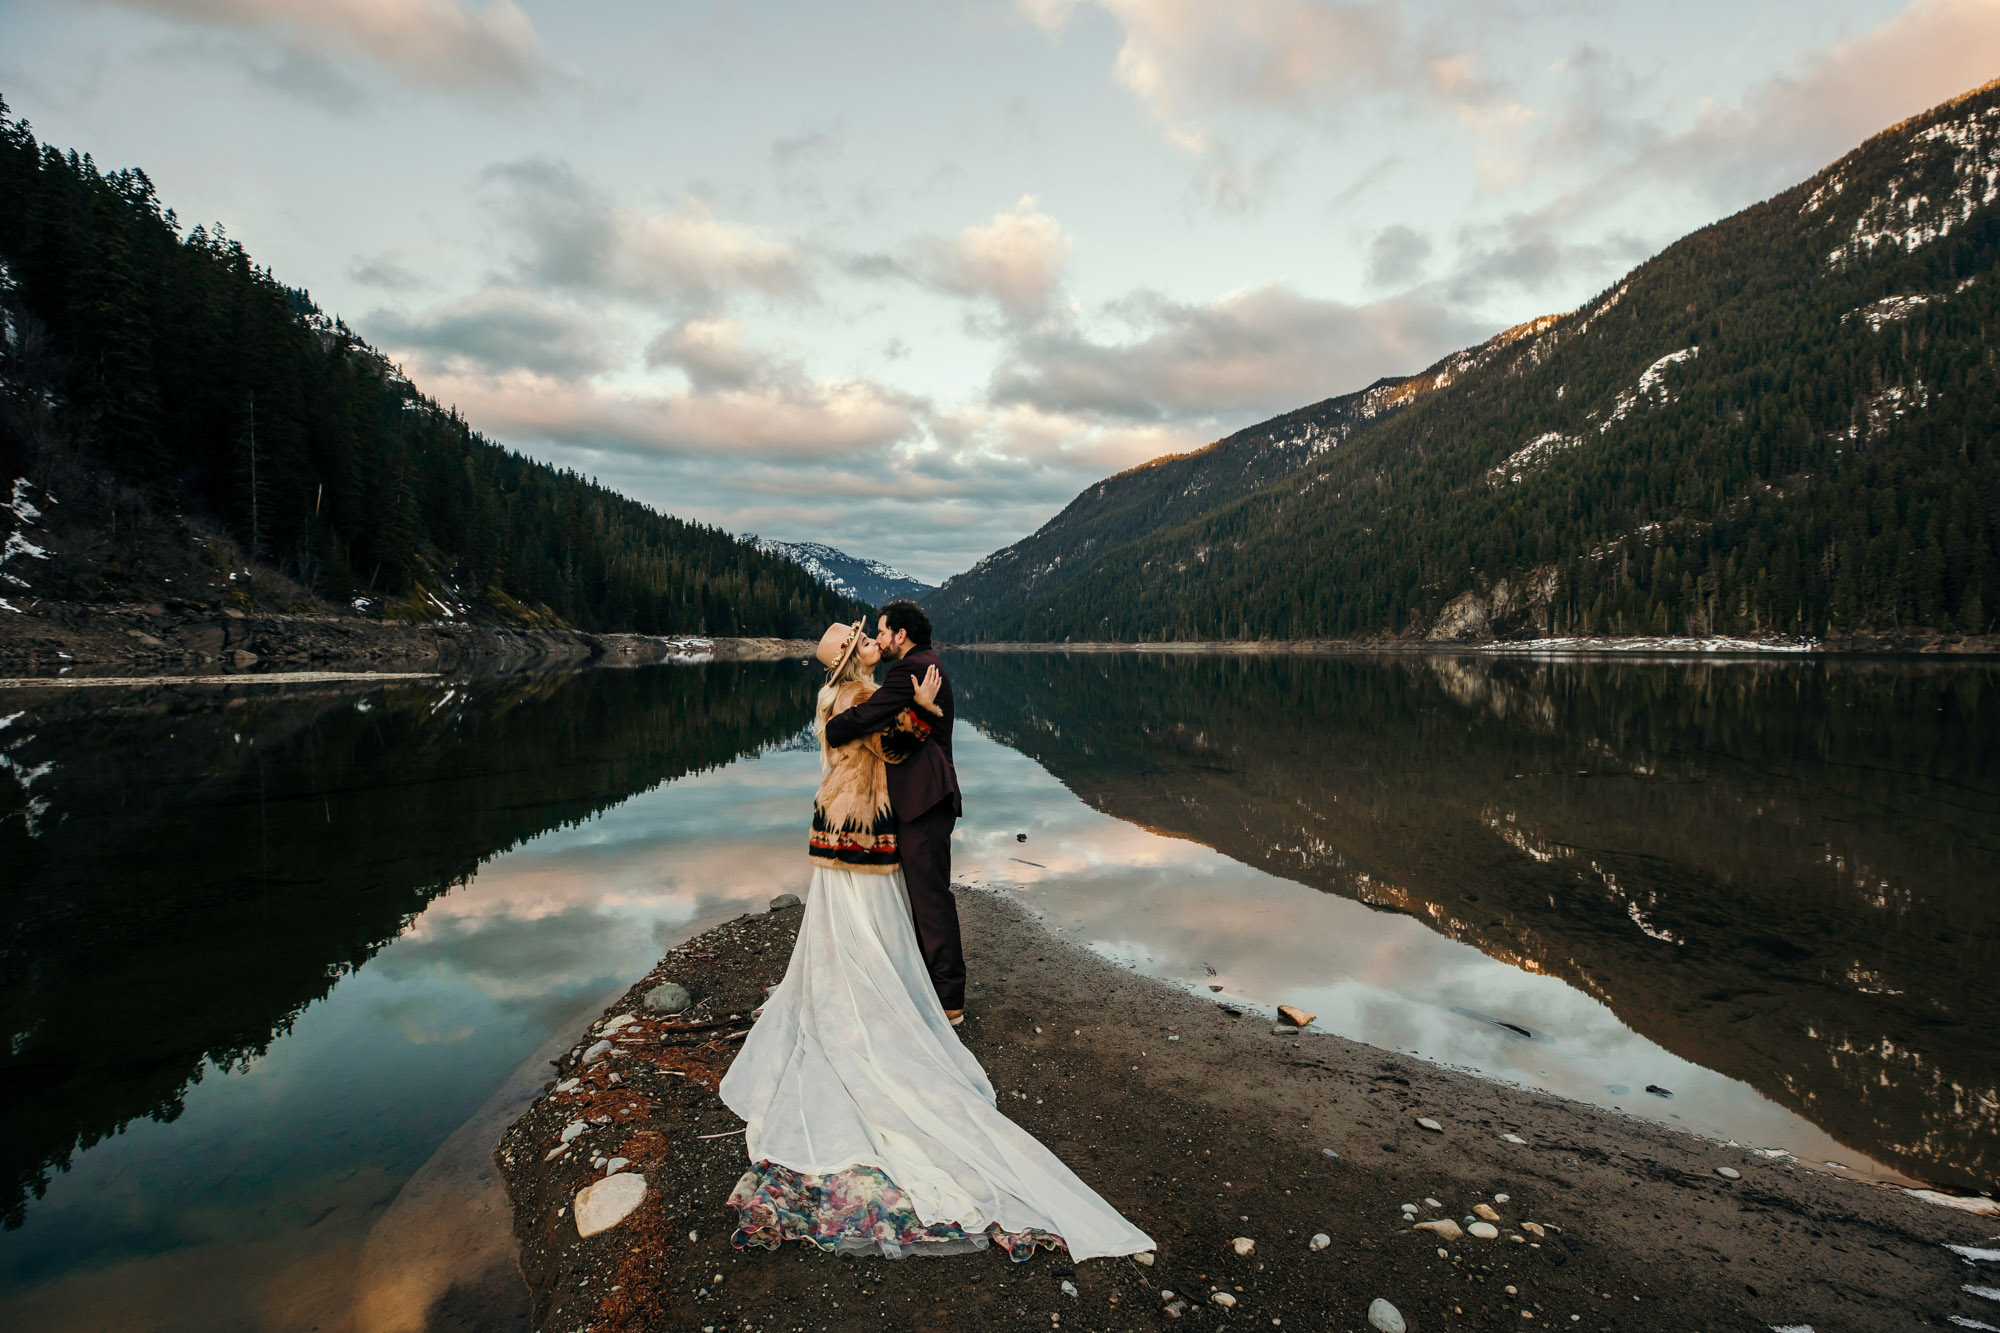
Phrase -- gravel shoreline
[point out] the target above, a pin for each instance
(1204, 1128)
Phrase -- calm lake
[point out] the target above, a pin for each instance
(281, 960)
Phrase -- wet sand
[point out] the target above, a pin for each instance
(1202, 1127)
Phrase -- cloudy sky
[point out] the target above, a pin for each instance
(904, 277)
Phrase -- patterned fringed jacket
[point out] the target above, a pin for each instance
(854, 827)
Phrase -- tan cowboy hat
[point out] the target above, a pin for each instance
(837, 645)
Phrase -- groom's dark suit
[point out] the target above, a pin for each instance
(924, 791)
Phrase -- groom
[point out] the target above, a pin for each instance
(923, 789)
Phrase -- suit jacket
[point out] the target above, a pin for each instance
(926, 779)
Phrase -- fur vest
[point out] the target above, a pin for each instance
(853, 824)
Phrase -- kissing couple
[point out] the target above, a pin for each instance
(870, 1128)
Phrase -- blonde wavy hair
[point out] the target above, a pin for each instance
(851, 669)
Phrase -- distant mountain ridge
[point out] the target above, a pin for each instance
(867, 581)
(1786, 422)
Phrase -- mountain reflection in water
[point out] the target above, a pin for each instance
(188, 870)
(1786, 873)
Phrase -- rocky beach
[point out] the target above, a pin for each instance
(1290, 1178)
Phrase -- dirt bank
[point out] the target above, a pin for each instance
(1202, 1126)
(156, 638)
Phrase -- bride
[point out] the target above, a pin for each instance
(871, 1130)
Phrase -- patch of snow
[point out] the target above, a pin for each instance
(1972, 1254)
(1887, 311)
(1964, 1203)
(1535, 452)
(1907, 221)
(1711, 644)
(1652, 386)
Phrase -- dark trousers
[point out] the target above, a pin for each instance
(925, 845)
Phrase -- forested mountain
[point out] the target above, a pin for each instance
(1785, 422)
(1179, 487)
(191, 414)
(867, 581)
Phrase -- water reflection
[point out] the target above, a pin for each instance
(1782, 874)
(203, 869)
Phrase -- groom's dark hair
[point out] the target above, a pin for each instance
(910, 618)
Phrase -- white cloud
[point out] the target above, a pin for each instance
(1016, 260)
(566, 233)
(1179, 56)
(1261, 351)
(427, 43)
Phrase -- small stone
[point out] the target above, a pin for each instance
(1242, 1245)
(1284, 1030)
(1386, 1317)
(1513, 1291)
(615, 1022)
(1425, 1122)
(1409, 1208)
(1328, 1152)
(1533, 1228)
(1215, 988)
(572, 1129)
(598, 1050)
(1319, 1241)
(616, 1164)
(784, 900)
(1512, 1138)
(1143, 1257)
(1069, 1289)
(569, 1085)
(1484, 1230)
(1432, 1203)
(1443, 1253)
(1728, 1173)
(1658, 1091)
(1500, 1198)
(1294, 1015)
(1486, 1211)
(1223, 1299)
(668, 998)
(610, 1201)
(1176, 1308)
(1442, 1226)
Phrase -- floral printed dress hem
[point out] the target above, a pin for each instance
(858, 1211)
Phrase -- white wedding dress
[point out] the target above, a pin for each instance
(853, 1064)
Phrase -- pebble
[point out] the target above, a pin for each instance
(1328, 1152)
(1728, 1173)
(1442, 1226)
(1513, 1291)
(1242, 1245)
(1533, 1229)
(1433, 1126)
(569, 1085)
(1223, 1299)
(610, 1201)
(615, 1022)
(669, 998)
(1500, 1198)
(1069, 1289)
(1409, 1208)
(784, 900)
(616, 1164)
(1283, 1030)
(1486, 1211)
(572, 1129)
(1320, 1241)
(1513, 1138)
(1484, 1230)
(1294, 1015)
(1143, 1257)
(1386, 1317)
(1432, 1203)
(598, 1050)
